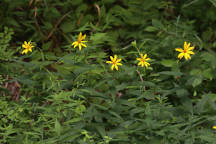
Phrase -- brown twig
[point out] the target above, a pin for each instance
(144, 88)
(99, 14)
(55, 27)
(140, 76)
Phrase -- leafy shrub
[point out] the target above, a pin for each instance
(58, 94)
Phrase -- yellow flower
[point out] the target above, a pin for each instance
(27, 47)
(115, 62)
(186, 52)
(143, 60)
(214, 127)
(80, 41)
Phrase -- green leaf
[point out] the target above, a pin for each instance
(151, 29)
(156, 23)
(196, 82)
(57, 127)
(171, 73)
(168, 63)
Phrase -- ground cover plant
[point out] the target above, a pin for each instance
(107, 72)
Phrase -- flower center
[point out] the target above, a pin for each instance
(185, 51)
(28, 47)
(114, 62)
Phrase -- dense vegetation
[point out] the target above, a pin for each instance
(60, 94)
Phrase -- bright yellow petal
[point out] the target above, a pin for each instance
(84, 41)
(30, 50)
(190, 48)
(112, 67)
(141, 55)
(80, 36)
(147, 64)
(139, 59)
(179, 49)
(119, 64)
(187, 56)
(115, 57)
(111, 58)
(145, 56)
(80, 47)
(109, 62)
(180, 55)
(118, 60)
(74, 43)
(83, 37)
(185, 45)
(83, 45)
(188, 45)
(116, 67)
(25, 43)
(190, 52)
(140, 63)
(147, 59)
(25, 51)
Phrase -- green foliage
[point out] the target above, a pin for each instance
(5, 37)
(58, 94)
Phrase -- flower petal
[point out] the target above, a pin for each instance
(25, 51)
(80, 36)
(111, 58)
(83, 37)
(191, 48)
(119, 64)
(179, 49)
(74, 43)
(83, 45)
(190, 52)
(139, 59)
(112, 67)
(84, 41)
(140, 63)
(80, 47)
(23, 45)
(116, 67)
(180, 55)
(109, 62)
(118, 60)
(188, 45)
(145, 56)
(187, 56)
(147, 59)
(115, 57)
(146, 64)
(185, 45)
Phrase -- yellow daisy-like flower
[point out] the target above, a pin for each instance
(115, 62)
(186, 52)
(80, 41)
(214, 127)
(143, 60)
(27, 47)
